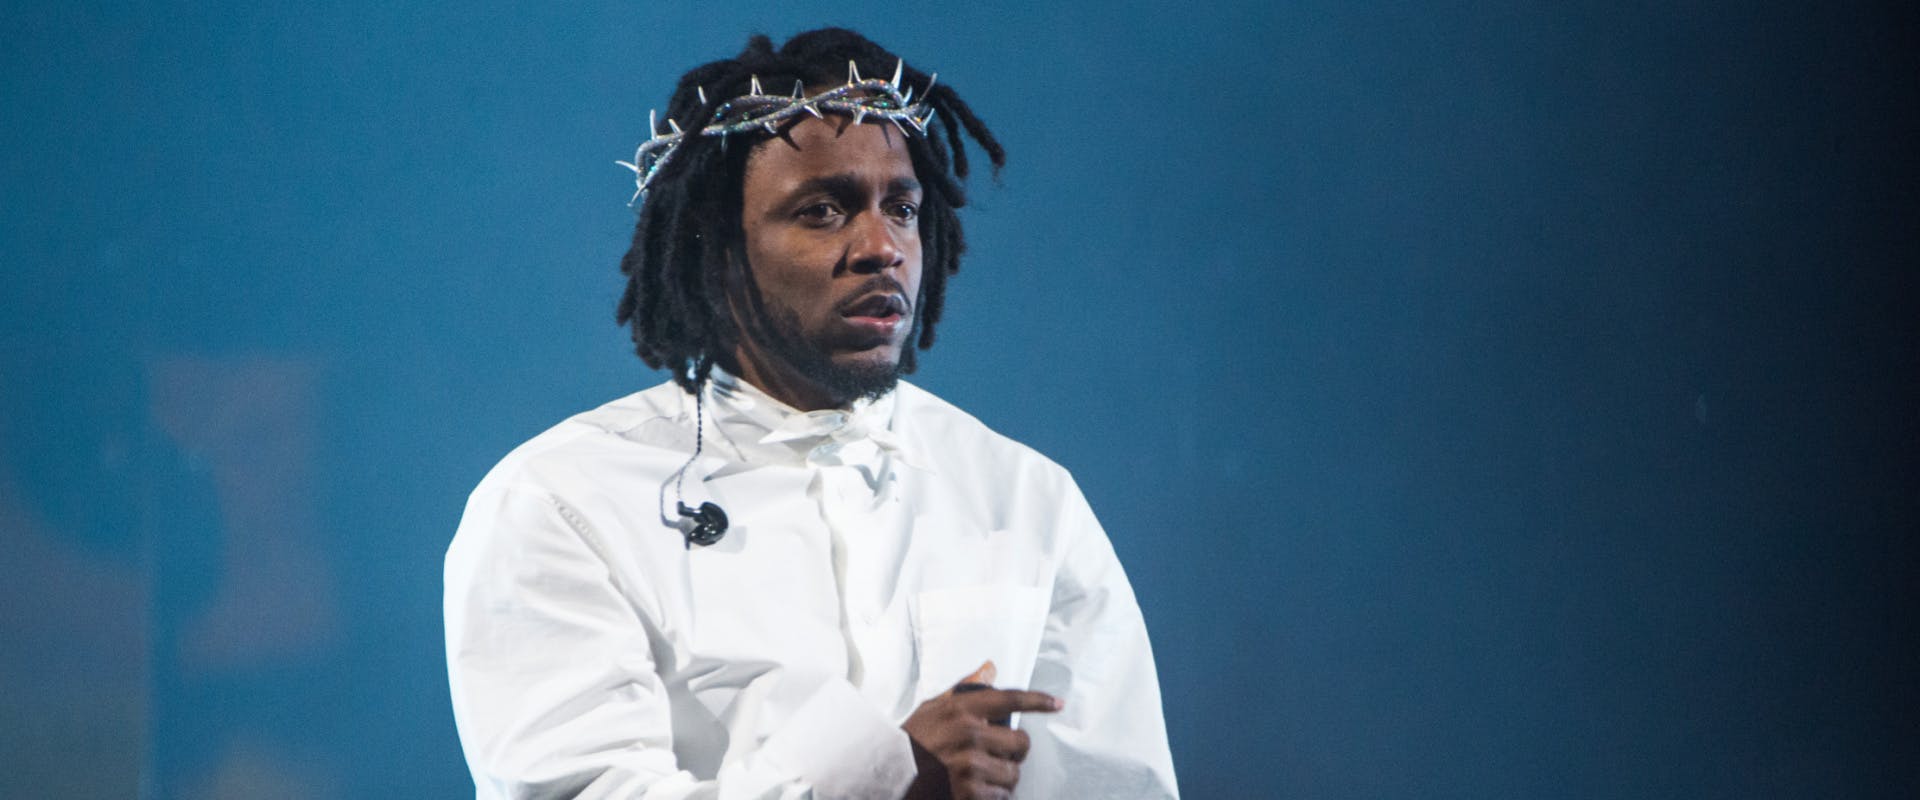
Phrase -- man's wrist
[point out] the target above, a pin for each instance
(930, 782)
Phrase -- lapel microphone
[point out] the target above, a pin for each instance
(709, 521)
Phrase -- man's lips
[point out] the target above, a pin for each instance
(879, 314)
(878, 305)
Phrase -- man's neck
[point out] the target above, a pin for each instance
(786, 386)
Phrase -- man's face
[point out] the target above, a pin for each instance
(830, 213)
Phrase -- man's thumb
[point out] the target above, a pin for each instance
(982, 675)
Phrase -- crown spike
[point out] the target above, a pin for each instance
(891, 102)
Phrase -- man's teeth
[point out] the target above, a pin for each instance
(877, 308)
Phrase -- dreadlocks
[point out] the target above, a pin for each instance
(688, 246)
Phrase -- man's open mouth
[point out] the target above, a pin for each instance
(877, 307)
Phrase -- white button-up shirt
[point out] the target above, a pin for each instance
(875, 556)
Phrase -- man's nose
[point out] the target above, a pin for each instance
(876, 244)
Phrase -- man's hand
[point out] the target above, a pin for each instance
(961, 752)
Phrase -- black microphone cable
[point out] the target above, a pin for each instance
(709, 521)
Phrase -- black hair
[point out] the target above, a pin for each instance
(688, 244)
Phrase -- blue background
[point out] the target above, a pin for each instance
(1488, 399)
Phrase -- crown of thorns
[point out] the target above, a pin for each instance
(756, 110)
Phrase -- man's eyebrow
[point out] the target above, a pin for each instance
(845, 184)
(841, 185)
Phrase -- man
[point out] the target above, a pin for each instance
(785, 573)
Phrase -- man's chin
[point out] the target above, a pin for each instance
(846, 368)
(880, 357)
(867, 374)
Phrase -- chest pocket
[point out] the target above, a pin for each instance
(956, 629)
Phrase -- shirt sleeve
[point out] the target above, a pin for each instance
(1111, 740)
(556, 694)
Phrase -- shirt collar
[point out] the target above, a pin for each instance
(763, 427)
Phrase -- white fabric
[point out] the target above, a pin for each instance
(875, 557)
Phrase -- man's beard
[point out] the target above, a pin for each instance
(779, 332)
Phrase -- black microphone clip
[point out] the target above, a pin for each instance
(709, 524)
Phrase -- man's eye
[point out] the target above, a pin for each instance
(819, 212)
(906, 212)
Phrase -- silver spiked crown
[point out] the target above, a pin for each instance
(758, 111)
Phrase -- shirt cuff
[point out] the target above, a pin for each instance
(843, 747)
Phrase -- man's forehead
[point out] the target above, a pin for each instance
(835, 145)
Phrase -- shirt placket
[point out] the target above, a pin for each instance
(856, 514)
(837, 511)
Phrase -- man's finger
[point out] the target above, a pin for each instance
(997, 703)
(976, 769)
(982, 675)
(1006, 743)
